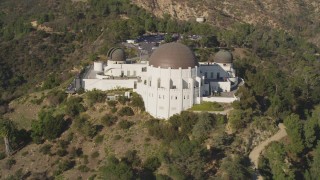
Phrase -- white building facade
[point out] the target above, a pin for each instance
(172, 80)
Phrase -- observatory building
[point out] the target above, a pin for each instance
(170, 82)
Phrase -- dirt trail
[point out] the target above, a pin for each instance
(255, 153)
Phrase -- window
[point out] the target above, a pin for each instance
(211, 75)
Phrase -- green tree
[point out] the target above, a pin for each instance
(116, 170)
(203, 126)
(234, 168)
(74, 106)
(7, 129)
(276, 156)
(47, 126)
(314, 172)
(294, 129)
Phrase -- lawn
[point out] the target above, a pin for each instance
(207, 106)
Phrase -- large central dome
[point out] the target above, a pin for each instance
(173, 55)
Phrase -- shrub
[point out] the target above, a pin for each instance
(137, 101)
(95, 96)
(83, 168)
(62, 152)
(123, 100)
(95, 154)
(25, 153)
(64, 166)
(46, 149)
(152, 164)
(85, 127)
(9, 163)
(99, 139)
(48, 126)
(63, 144)
(124, 124)
(2, 155)
(114, 110)
(109, 120)
(112, 103)
(56, 97)
(76, 152)
(74, 106)
(126, 111)
(117, 137)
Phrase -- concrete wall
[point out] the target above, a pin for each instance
(220, 99)
(107, 84)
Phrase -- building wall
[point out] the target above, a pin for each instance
(168, 91)
(165, 92)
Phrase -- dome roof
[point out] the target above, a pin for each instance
(173, 55)
(116, 54)
(223, 56)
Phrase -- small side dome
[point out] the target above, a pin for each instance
(223, 56)
(116, 54)
(173, 55)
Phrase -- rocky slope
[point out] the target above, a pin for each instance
(296, 16)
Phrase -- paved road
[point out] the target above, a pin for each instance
(255, 153)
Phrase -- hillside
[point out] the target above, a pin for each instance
(299, 17)
(54, 135)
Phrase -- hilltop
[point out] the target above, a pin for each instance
(300, 17)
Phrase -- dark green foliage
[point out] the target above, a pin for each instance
(56, 97)
(62, 152)
(189, 157)
(124, 124)
(46, 149)
(126, 111)
(152, 164)
(116, 170)
(2, 155)
(314, 171)
(311, 128)
(162, 130)
(64, 166)
(117, 137)
(238, 118)
(185, 121)
(99, 139)
(114, 110)
(74, 106)
(131, 158)
(202, 128)
(83, 168)
(109, 120)
(276, 155)
(63, 144)
(123, 100)
(9, 163)
(51, 82)
(47, 126)
(294, 128)
(234, 168)
(137, 101)
(95, 154)
(112, 103)
(95, 96)
(85, 127)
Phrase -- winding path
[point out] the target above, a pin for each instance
(255, 153)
